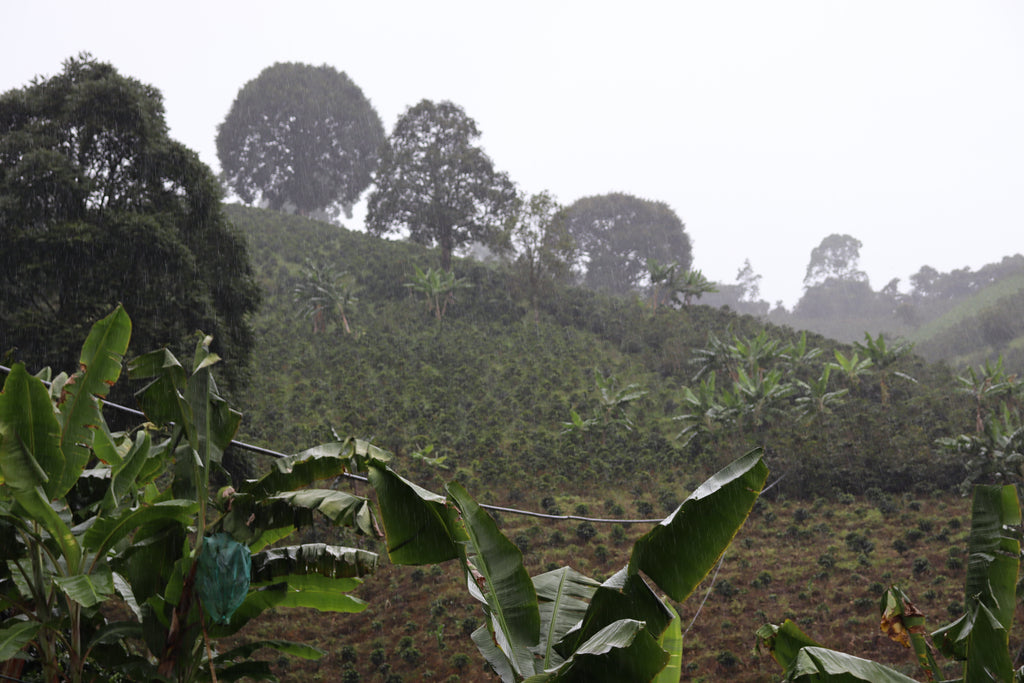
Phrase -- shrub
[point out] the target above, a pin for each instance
(858, 543)
(727, 659)
(459, 661)
(586, 531)
(920, 565)
(725, 588)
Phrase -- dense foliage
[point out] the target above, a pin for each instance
(300, 135)
(99, 205)
(493, 385)
(616, 233)
(437, 183)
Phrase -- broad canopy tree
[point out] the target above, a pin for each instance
(437, 183)
(99, 205)
(837, 257)
(540, 247)
(616, 233)
(300, 135)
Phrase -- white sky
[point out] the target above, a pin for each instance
(765, 125)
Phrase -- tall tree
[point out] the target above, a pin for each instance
(301, 135)
(616, 234)
(542, 251)
(434, 181)
(837, 257)
(99, 205)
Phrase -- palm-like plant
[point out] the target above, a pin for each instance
(882, 356)
(853, 368)
(693, 285)
(664, 281)
(437, 287)
(324, 294)
(817, 399)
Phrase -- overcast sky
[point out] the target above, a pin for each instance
(765, 125)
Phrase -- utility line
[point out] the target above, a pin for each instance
(357, 477)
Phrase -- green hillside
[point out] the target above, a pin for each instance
(490, 386)
(861, 497)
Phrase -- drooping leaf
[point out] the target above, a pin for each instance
(622, 651)
(332, 561)
(29, 433)
(302, 469)
(88, 589)
(562, 596)
(622, 596)
(678, 553)
(108, 530)
(822, 665)
(15, 635)
(496, 568)
(671, 641)
(286, 646)
(784, 642)
(322, 593)
(419, 525)
(296, 508)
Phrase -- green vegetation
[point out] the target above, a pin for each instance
(300, 136)
(99, 205)
(106, 568)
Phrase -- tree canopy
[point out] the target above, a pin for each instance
(300, 135)
(838, 257)
(99, 205)
(616, 233)
(437, 183)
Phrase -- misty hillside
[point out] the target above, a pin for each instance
(962, 317)
(492, 388)
(505, 399)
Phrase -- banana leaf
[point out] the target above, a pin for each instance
(679, 552)
(821, 665)
(29, 433)
(981, 635)
(563, 596)
(622, 651)
(419, 525)
(498, 577)
(332, 561)
(99, 369)
(302, 469)
(671, 641)
(15, 635)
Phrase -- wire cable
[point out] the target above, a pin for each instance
(358, 477)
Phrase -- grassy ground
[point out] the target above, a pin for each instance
(821, 563)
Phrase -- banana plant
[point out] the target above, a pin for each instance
(853, 367)
(882, 356)
(89, 516)
(561, 625)
(817, 399)
(979, 638)
(437, 287)
(69, 497)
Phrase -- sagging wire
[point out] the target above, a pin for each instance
(719, 566)
(358, 477)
